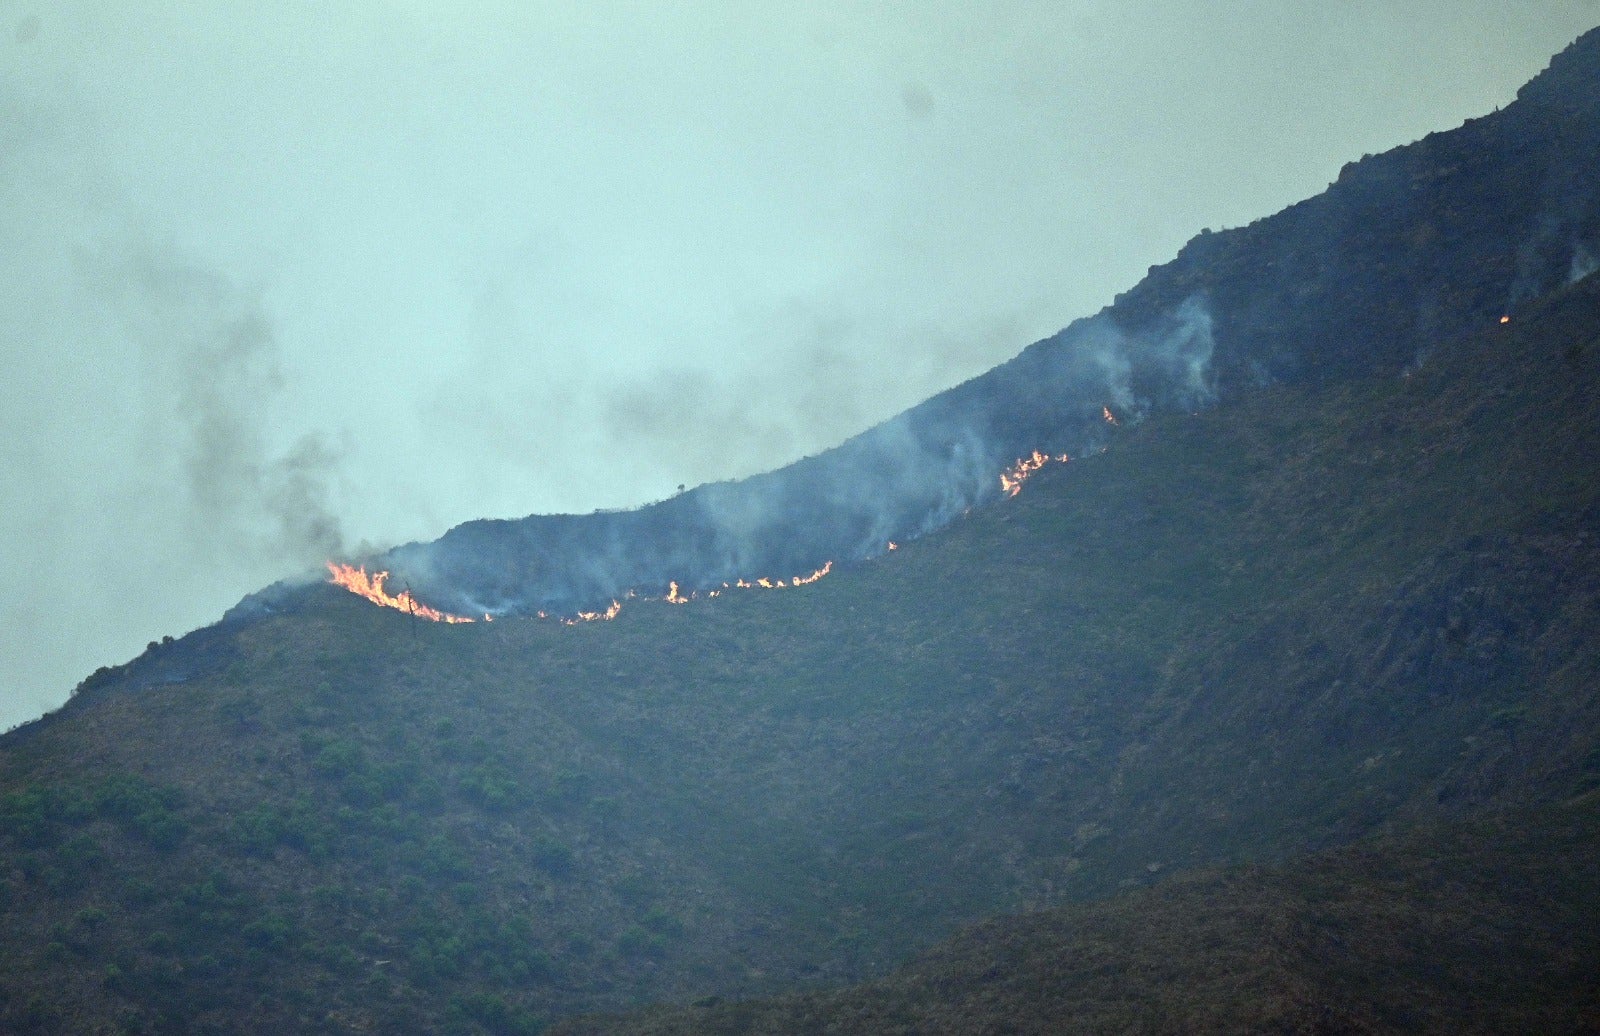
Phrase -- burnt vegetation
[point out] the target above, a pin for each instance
(1283, 715)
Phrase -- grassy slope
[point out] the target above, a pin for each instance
(1236, 636)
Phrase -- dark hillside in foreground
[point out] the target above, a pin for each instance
(1486, 927)
(1279, 625)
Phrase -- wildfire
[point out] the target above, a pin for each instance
(1505, 320)
(355, 579)
(813, 577)
(1012, 478)
(677, 596)
(1110, 417)
(605, 616)
(371, 586)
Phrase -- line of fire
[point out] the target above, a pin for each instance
(371, 586)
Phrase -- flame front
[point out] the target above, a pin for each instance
(1109, 416)
(813, 577)
(1012, 478)
(355, 579)
(605, 616)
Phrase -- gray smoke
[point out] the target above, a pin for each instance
(902, 479)
(1555, 250)
(211, 362)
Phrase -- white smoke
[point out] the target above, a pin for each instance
(1584, 262)
(904, 478)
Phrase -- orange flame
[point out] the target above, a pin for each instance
(813, 577)
(1110, 418)
(1012, 478)
(605, 616)
(358, 581)
(355, 579)
(1505, 320)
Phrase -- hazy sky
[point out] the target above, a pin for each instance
(277, 279)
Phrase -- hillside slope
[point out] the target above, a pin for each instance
(1271, 627)
(1486, 927)
(1418, 245)
(1359, 594)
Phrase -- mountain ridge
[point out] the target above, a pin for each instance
(1285, 299)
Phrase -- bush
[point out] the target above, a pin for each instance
(340, 758)
(662, 922)
(636, 942)
(91, 917)
(497, 1015)
(162, 829)
(273, 932)
(552, 856)
(262, 829)
(491, 787)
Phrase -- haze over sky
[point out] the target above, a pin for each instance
(279, 279)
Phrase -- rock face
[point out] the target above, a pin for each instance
(1417, 245)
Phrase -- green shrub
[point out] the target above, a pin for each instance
(552, 856)
(663, 922)
(636, 942)
(490, 786)
(496, 1015)
(90, 917)
(339, 758)
(274, 932)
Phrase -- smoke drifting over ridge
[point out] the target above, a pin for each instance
(899, 480)
(1305, 295)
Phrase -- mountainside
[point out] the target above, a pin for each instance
(1423, 243)
(1477, 928)
(1358, 595)
(1236, 636)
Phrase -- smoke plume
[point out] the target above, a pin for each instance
(211, 365)
(897, 481)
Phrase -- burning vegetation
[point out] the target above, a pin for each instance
(1012, 478)
(357, 580)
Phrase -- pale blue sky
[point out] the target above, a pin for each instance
(403, 264)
